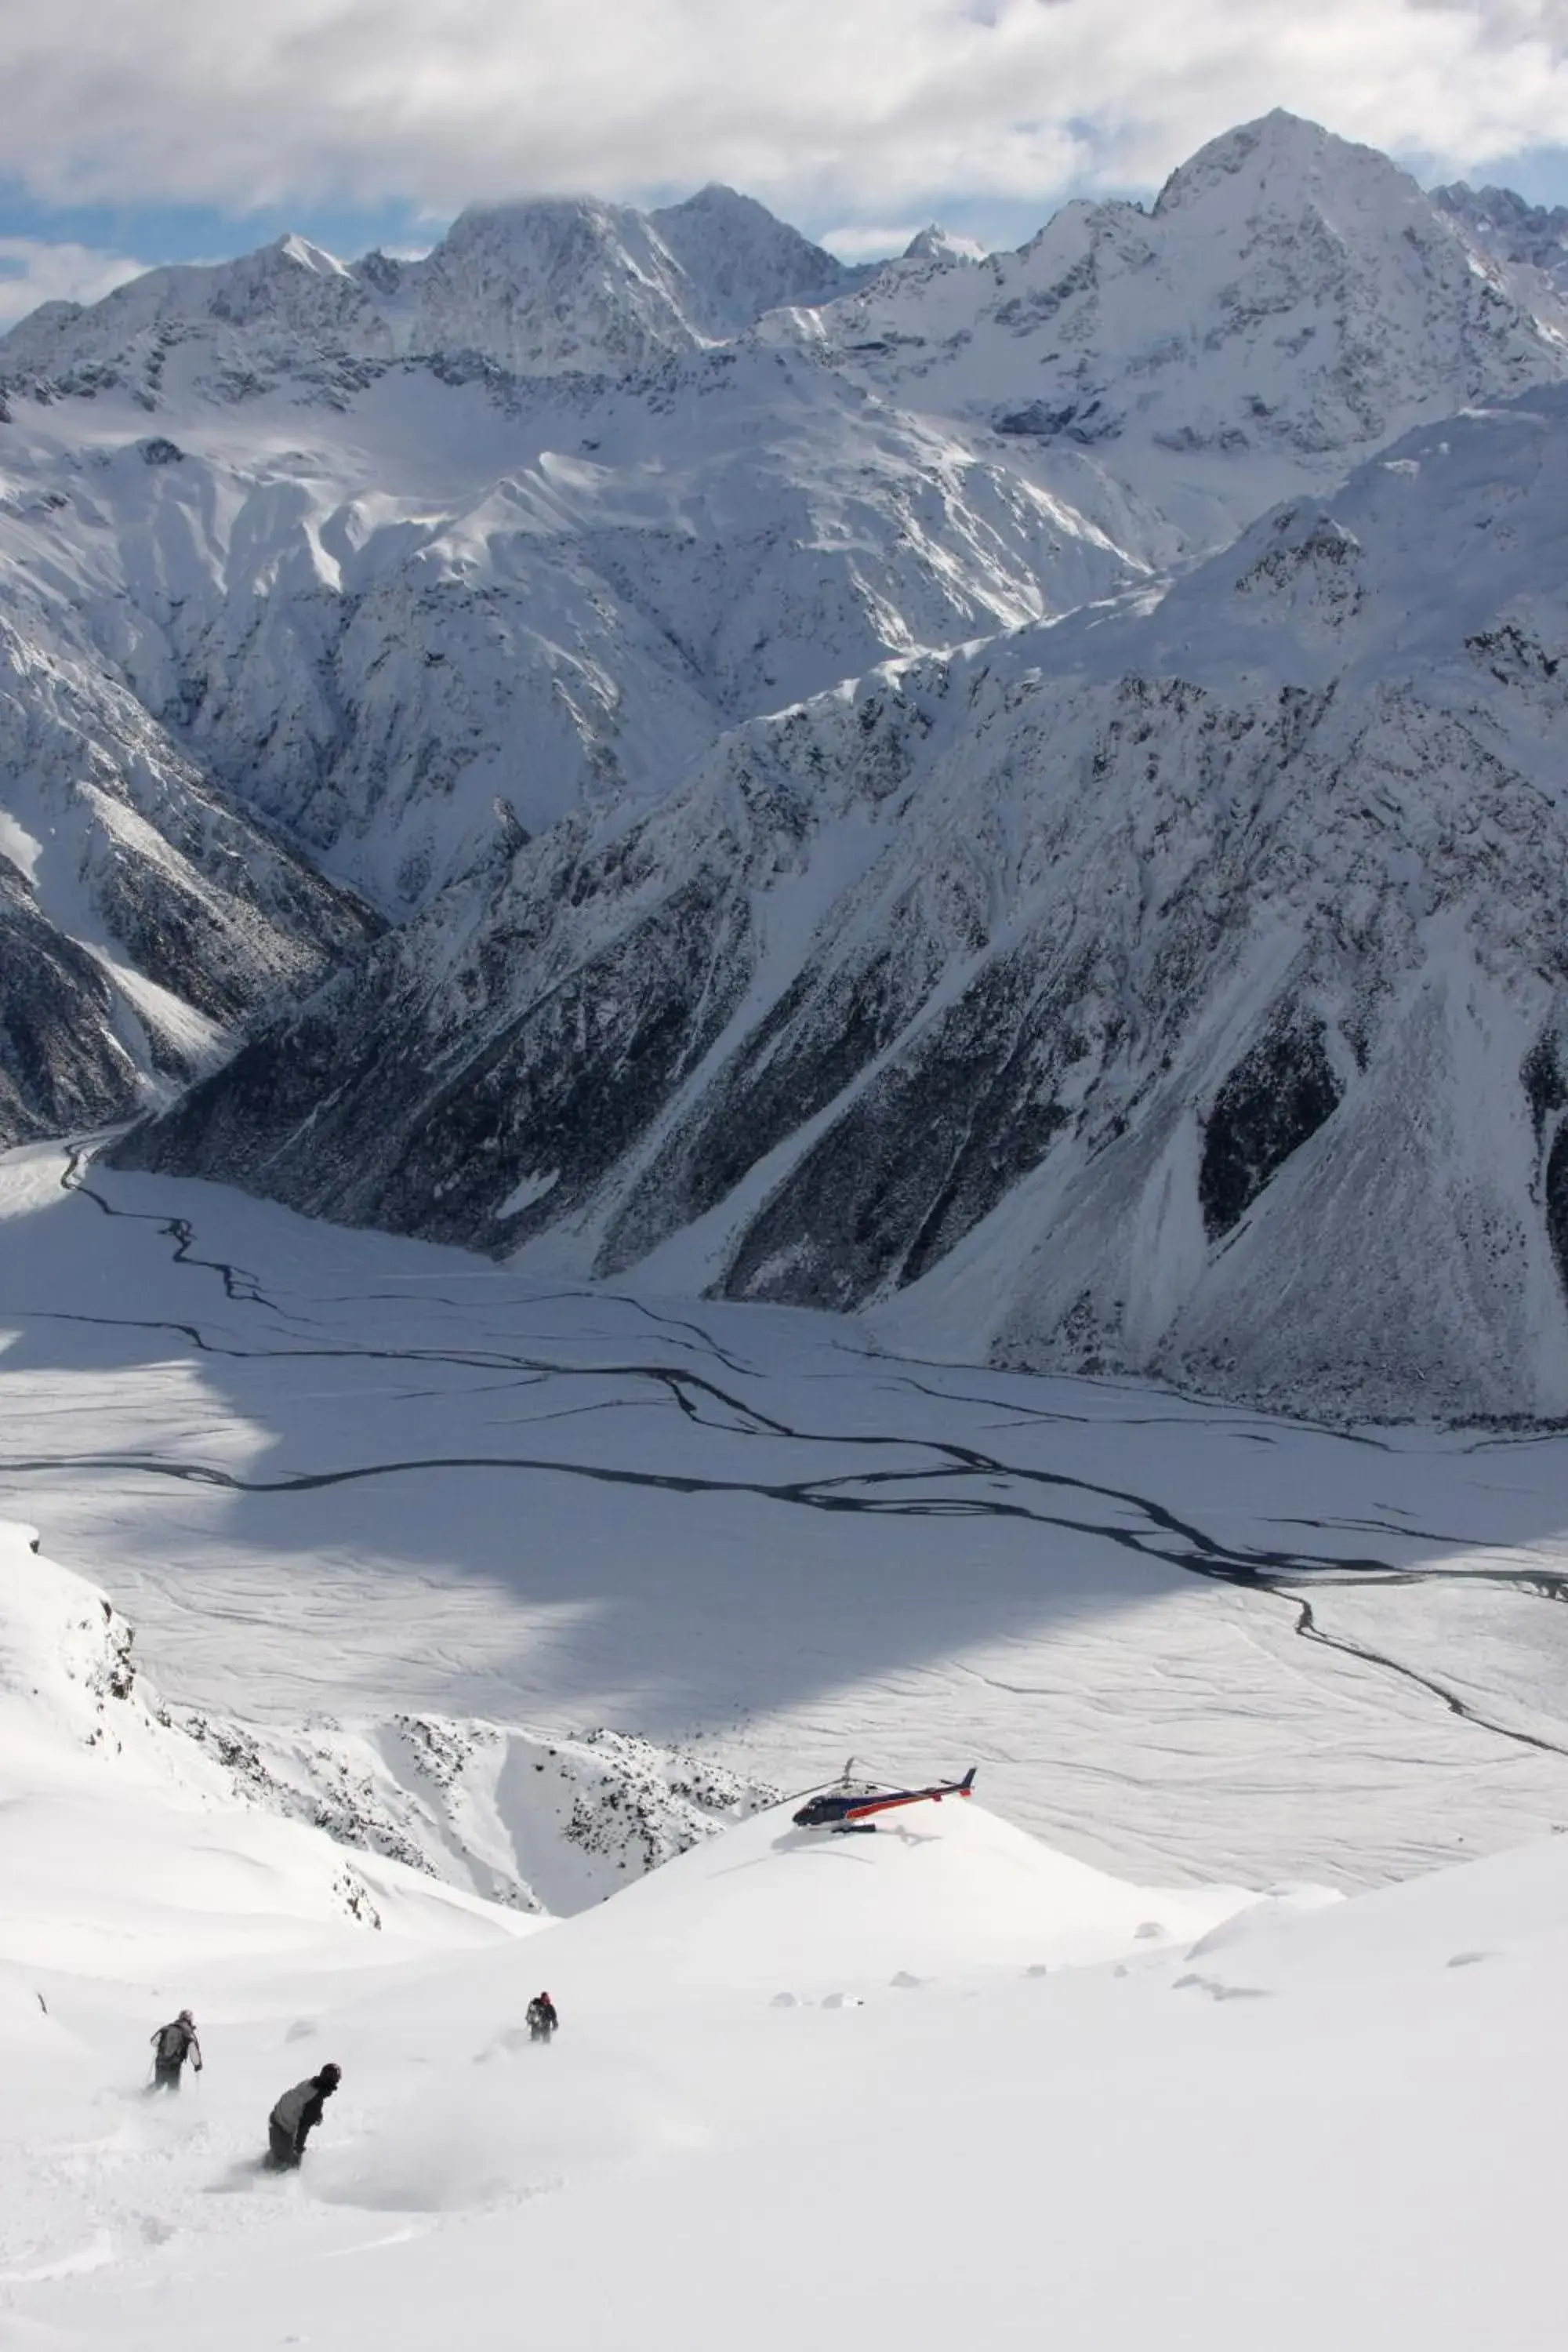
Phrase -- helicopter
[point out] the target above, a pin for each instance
(847, 1812)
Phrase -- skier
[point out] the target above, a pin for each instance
(172, 2046)
(543, 2019)
(295, 2118)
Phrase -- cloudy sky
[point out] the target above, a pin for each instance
(139, 131)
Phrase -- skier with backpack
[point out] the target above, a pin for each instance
(295, 2118)
(172, 2046)
(543, 2019)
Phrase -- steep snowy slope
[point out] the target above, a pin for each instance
(418, 561)
(143, 916)
(1176, 988)
(121, 1843)
(404, 626)
(100, 1771)
(856, 2093)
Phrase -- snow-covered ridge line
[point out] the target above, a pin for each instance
(546, 1820)
(544, 287)
(540, 1821)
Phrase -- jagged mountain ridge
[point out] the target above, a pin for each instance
(401, 606)
(1289, 298)
(406, 611)
(374, 625)
(546, 287)
(1177, 988)
(1524, 237)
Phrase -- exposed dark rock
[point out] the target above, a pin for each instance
(60, 1066)
(1557, 1203)
(816, 1041)
(1276, 1095)
(1085, 422)
(1543, 1078)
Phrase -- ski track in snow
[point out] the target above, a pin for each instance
(936, 1475)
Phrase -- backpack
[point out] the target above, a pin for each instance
(172, 2043)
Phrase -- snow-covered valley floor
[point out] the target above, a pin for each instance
(332, 1474)
(1131, 2078)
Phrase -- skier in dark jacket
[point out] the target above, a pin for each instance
(172, 2046)
(543, 2019)
(295, 2118)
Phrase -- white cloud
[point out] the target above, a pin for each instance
(33, 271)
(868, 243)
(853, 108)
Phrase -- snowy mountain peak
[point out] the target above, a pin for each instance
(1272, 154)
(526, 228)
(1289, 298)
(937, 244)
(300, 250)
(547, 285)
(742, 262)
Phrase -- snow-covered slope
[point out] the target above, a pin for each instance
(101, 1773)
(544, 1820)
(123, 1844)
(144, 916)
(915, 2088)
(461, 572)
(442, 548)
(1172, 988)
(405, 627)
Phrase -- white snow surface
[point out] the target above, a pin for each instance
(930, 2084)
(345, 1487)
(123, 1843)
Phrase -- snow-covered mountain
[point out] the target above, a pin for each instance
(405, 630)
(1176, 988)
(548, 287)
(1289, 300)
(482, 580)
(112, 1810)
